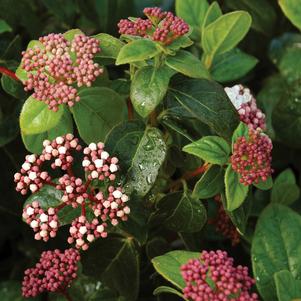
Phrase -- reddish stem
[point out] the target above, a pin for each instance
(70, 171)
(87, 184)
(130, 109)
(61, 206)
(9, 73)
(51, 184)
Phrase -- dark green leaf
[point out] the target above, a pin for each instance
(186, 63)
(12, 87)
(207, 102)
(148, 88)
(232, 65)
(285, 190)
(4, 27)
(287, 287)
(180, 212)
(115, 262)
(97, 112)
(264, 185)
(36, 117)
(210, 184)
(141, 152)
(276, 246)
(135, 51)
(10, 290)
(211, 149)
(168, 290)
(110, 46)
(235, 191)
(169, 264)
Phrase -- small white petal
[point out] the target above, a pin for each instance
(59, 140)
(117, 194)
(113, 168)
(98, 163)
(34, 224)
(100, 228)
(124, 198)
(30, 211)
(62, 150)
(114, 205)
(26, 166)
(53, 224)
(86, 163)
(93, 146)
(83, 230)
(43, 217)
(104, 155)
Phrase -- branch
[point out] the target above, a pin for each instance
(9, 73)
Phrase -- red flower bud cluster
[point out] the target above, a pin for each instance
(214, 277)
(161, 26)
(252, 157)
(105, 205)
(245, 103)
(53, 273)
(44, 223)
(55, 65)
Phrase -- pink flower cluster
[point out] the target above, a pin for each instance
(245, 103)
(214, 277)
(53, 273)
(224, 224)
(252, 157)
(45, 224)
(161, 26)
(56, 65)
(106, 206)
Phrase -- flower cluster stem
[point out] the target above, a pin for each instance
(9, 73)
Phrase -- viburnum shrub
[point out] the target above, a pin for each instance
(160, 163)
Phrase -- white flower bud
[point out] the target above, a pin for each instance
(59, 140)
(93, 146)
(62, 150)
(113, 168)
(83, 230)
(98, 163)
(114, 205)
(53, 224)
(86, 163)
(32, 175)
(90, 237)
(30, 211)
(100, 228)
(124, 198)
(26, 166)
(43, 217)
(34, 224)
(104, 155)
(117, 194)
(69, 189)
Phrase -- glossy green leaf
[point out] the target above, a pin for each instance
(135, 51)
(169, 264)
(265, 185)
(67, 214)
(186, 63)
(12, 87)
(211, 149)
(34, 143)
(226, 32)
(210, 184)
(292, 10)
(36, 117)
(148, 88)
(168, 290)
(180, 42)
(97, 112)
(276, 246)
(285, 190)
(287, 287)
(180, 212)
(141, 153)
(47, 196)
(236, 192)
(207, 102)
(214, 12)
(241, 131)
(115, 262)
(193, 12)
(232, 65)
(70, 34)
(262, 22)
(4, 27)
(110, 46)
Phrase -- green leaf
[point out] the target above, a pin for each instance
(292, 10)
(214, 12)
(168, 290)
(186, 63)
(261, 22)
(211, 149)
(226, 32)
(10, 290)
(180, 42)
(285, 190)
(266, 185)
(169, 264)
(207, 102)
(97, 112)
(148, 88)
(12, 87)
(48, 196)
(210, 184)
(193, 12)
(241, 131)
(276, 246)
(235, 191)
(135, 51)
(141, 153)
(110, 46)
(232, 65)
(180, 212)
(36, 117)
(70, 34)
(67, 214)
(287, 287)
(4, 27)
(34, 143)
(114, 261)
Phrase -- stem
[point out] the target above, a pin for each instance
(130, 109)
(208, 60)
(153, 119)
(84, 209)
(61, 206)
(9, 73)
(70, 171)
(87, 184)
